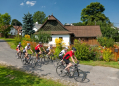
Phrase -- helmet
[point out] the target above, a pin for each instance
(50, 44)
(40, 42)
(73, 48)
(66, 48)
(19, 42)
(28, 44)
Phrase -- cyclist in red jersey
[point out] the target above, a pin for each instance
(67, 56)
(38, 49)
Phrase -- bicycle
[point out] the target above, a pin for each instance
(74, 71)
(18, 55)
(30, 60)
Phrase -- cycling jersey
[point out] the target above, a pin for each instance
(37, 47)
(48, 49)
(62, 53)
(26, 48)
(18, 46)
(68, 55)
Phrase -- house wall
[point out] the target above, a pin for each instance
(13, 31)
(66, 39)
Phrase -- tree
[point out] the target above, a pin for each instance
(45, 19)
(39, 17)
(15, 22)
(5, 20)
(93, 12)
(28, 24)
(79, 24)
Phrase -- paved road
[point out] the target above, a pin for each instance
(96, 75)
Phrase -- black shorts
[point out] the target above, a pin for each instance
(66, 61)
(61, 57)
(37, 51)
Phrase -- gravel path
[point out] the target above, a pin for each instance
(96, 75)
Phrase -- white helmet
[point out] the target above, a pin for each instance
(28, 44)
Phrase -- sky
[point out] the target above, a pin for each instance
(66, 11)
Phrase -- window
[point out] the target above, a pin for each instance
(50, 39)
(61, 38)
(11, 33)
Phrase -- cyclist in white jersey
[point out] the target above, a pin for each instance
(25, 50)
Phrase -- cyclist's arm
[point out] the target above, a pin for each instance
(40, 49)
(31, 50)
(75, 58)
(44, 49)
(26, 51)
(72, 59)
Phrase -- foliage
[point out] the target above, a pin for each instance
(28, 24)
(59, 43)
(107, 42)
(39, 17)
(82, 52)
(5, 20)
(25, 40)
(107, 54)
(93, 12)
(18, 39)
(45, 20)
(79, 24)
(42, 36)
(15, 22)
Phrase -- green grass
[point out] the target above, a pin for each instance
(14, 77)
(10, 42)
(101, 63)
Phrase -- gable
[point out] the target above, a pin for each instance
(52, 25)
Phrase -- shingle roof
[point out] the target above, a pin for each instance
(85, 31)
(37, 25)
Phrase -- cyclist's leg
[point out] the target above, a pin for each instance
(68, 64)
(37, 54)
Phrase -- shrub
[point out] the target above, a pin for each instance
(104, 41)
(59, 43)
(17, 39)
(107, 54)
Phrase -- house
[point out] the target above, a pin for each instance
(69, 32)
(36, 26)
(16, 30)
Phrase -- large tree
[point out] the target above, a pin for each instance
(5, 20)
(28, 24)
(15, 22)
(93, 13)
(39, 17)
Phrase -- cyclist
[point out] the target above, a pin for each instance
(67, 56)
(48, 50)
(63, 52)
(18, 48)
(25, 50)
(38, 49)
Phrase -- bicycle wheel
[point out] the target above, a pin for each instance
(60, 71)
(79, 75)
(33, 62)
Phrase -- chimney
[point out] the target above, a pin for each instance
(49, 17)
(36, 22)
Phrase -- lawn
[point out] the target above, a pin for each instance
(101, 63)
(15, 77)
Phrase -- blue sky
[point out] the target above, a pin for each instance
(66, 11)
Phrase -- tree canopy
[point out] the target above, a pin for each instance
(5, 20)
(28, 24)
(15, 22)
(93, 12)
(39, 17)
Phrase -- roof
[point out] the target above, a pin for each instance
(37, 25)
(51, 17)
(85, 31)
(58, 32)
(18, 28)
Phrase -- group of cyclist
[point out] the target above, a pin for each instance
(64, 55)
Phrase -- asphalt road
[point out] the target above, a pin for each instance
(96, 75)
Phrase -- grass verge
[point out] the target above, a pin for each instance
(13, 77)
(101, 63)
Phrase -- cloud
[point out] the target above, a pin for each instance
(22, 3)
(43, 6)
(31, 3)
